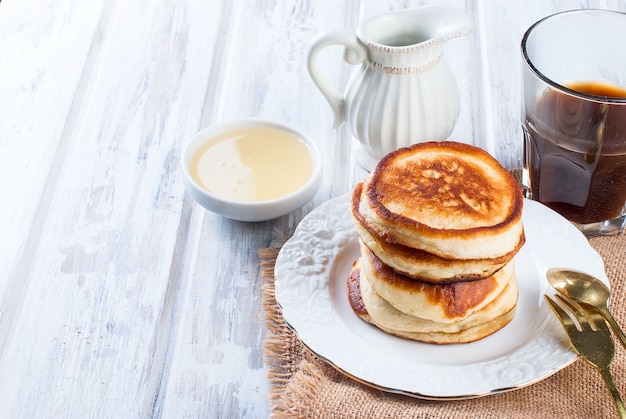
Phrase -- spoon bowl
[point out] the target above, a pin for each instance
(579, 286)
(587, 289)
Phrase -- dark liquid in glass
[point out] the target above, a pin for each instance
(575, 152)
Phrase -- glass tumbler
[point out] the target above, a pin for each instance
(574, 117)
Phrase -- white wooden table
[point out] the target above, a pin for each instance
(119, 296)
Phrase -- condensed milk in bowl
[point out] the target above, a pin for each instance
(251, 169)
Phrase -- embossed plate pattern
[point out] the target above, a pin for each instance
(311, 271)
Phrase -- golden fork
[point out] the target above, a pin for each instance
(592, 341)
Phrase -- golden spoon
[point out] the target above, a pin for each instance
(585, 288)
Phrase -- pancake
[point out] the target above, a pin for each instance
(467, 335)
(450, 199)
(354, 290)
(423, 265)
(442, 303)
(385, 315)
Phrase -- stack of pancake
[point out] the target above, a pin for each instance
(439, 224)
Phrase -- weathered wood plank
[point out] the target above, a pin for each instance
(44, 46)
(94, 324)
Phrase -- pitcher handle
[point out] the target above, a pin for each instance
(354, 53)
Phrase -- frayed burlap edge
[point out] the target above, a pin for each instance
(293, 372)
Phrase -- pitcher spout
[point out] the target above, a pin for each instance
(447, 23)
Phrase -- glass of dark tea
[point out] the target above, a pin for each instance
(574, 113)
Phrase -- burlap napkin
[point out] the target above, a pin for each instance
(304, 386)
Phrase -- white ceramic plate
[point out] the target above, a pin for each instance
(311, 272)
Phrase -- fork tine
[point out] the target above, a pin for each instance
(583, 314)
(561, 314)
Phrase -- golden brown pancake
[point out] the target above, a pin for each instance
(385, 315)
(442, 303)
(465, 336)
(429, 335)
(423, 265)
(450, 199)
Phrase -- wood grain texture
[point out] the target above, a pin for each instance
(119, 296)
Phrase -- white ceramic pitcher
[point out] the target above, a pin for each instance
(402, 91)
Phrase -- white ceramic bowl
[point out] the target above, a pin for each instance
(246, 210)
